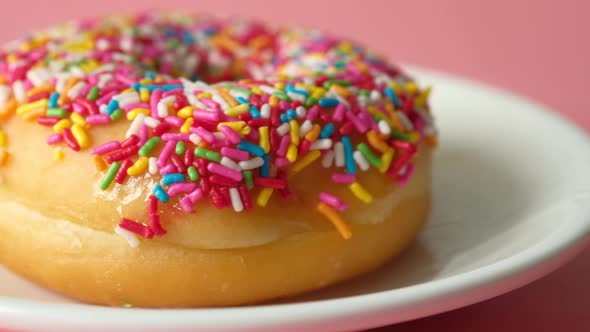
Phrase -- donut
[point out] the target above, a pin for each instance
(177, 160)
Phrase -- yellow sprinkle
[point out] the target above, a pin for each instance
(395, 86)
(264, 140)
(228, 98)
(264, 196)
(140, 166)
(294, 127)
(33, 115)
(246, 130)
(78, 119)
(237, 110)
(340, 90)
(256, 90)
(273, 101)
(394, 122)
(185, 112)
(129, 90)
(41, 88)
(386, 159)
(280, 86)
(58, 155)
(411, 88)
(204, 95)
(144, 95)
(334, 217)
(414, 136)
(292, 152)
(376, 142)
(4, 156)
(134, 112)
(145, 81)
(235, 125)
(186, 126)
(61, 125)
(306, 160)
(360, 192)
(81, 136)
(99, 163)
(3, 140)
(420, 101)
(25, 108)
(314, 133)
(318, 93)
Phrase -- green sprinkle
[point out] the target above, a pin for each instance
(310, 101)
(207, 154)
(109, 176)
(399, 135)
(56, 112)
(93, 93)
(365, 93)
(369, 155)
(242, 90)
(281, 95)
(248, 179)
(329, 83)
(117, 114)
(180, 148)
(193, 174)
(148, 146)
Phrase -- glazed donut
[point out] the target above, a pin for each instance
(167, 160)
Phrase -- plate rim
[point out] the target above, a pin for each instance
(547, 251)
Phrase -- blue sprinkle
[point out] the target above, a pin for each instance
(254, 112)
(291, 88)
(348, 159)
(327, 131)
(151, 87)
(291, 114)
(150, 75)
(53, 100)
(329, 102)
(265, 168)
(251, 148)
(242, 100)
(188, 38)
(112, 107)
(391, 95)
(172, 178)
(161, 194)
(284, 118)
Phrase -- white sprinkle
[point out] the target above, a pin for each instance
(38, 76)
(375, 95)
(404, 119)
(151, 122)
(328, 159)
(19, 91)
(104, 79)
(103, 44)
(384, 127)
(153, 165)
(296, 96)
(126, 44)
(339, 151)
(77, 71)
(321, 144)
(265, 111)
(283, 129)
(236, 94)
(225, 161)
(127, 98)
(128, 236)
(251, 164)
(76, 89)
(301, 112)
(163, 105)
(4, 94)
(236, 201)
(135, 125)
(305, 128)
(362, 101)
(62, 79)
(218, 99)
(194, 138)
(219, 135)
(268, 89)
(360, 160)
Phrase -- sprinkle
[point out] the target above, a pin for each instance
(386, 159)
(405, 175)
(135, 227)
(294, 130)
(292, 152)
(328, 159)
(321, 144)
(207, 154)
(149, 146)
(234, 154)
(99, 163)
(237, 110)
(129, 237)
(329, 102)
(25, 108)
(153, 165)
(181, 188)
(306, 160)
(169, 179)
(109, 176)
(264, 196)
(327, 131)
(4, 156)
(236, 200)
(248, 180)
(265, 169)
(368, 155)
(251, 148)
(348, 155)
(161, 194)
(225, 171)
(81, 136)
(335, 218)
(251, 164)
(61, 125)
(360, 160)
(339, 154)
(333, 201)
(193, 174)
(360, 192)
(3, 140)
(270, 183)
(139, 167)
(343, 178)
(384, 127)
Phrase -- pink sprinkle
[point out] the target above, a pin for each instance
(333, 201)
(133, 106)
(176, 137)
(98, 119)
(107, 147)
(168, 169)
(181, 188)
(79, 108)
(106, 98)
(360, 126)
(143, 134)
(210, 103)
(154, 99)
(55, 139)
(283, 146)
(195, 195)
(166, 152)
(282, 162)
(405, 175)
(343, 178)
(204, 134)
(339, 112)
(186, 204)
(230, 134)
(253, 136)
(235, 154)
(313, 113)
(225, 171)
(174, 121)
(125, 78)
(206, 115)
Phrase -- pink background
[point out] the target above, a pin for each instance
(535, 48)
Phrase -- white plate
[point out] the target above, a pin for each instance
(512, 203)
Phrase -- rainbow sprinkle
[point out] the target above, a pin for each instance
(217, 110)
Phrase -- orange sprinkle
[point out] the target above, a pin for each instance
(99, 163)
(314, 133)
(8, 110)
(41, 88)
(340, 90)
(432, 140)
(335, 219)
(4, 155)
(64, 96)
(226, 43)
(376, 142)
(227, 97)
(273, 101)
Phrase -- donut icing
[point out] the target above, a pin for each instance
(220, 112)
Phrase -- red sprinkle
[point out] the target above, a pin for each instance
(155, 226)
(122, 173)
(245, 197)
(270, 183)
(47, 121)
(121, 154)
(222, 181)
(152, 205)
(129, 141)
(136, 227)
(70, 140)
